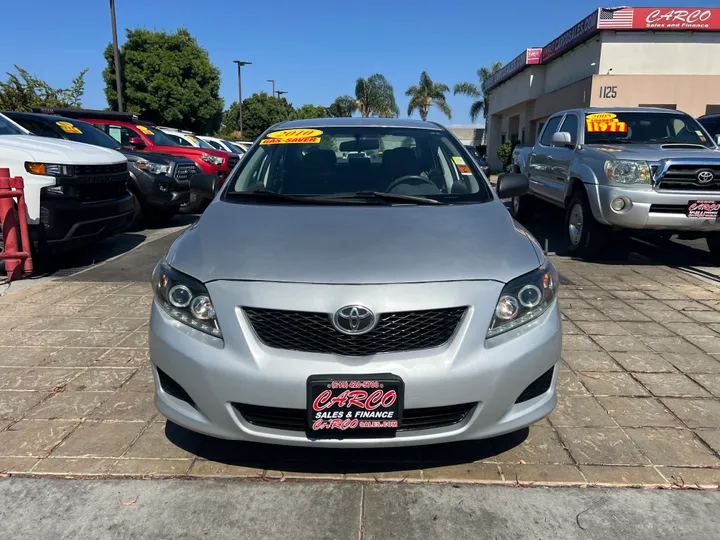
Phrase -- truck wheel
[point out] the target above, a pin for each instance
(713, 243)
(584, 236)
(138, 214)
(521, 208)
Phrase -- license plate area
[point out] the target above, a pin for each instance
(703, 209)
(354, 406)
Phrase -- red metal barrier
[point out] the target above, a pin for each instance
(16, 261)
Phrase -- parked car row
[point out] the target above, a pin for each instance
(619, 169)
(89, 174)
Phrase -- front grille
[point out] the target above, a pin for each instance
(394, 332)
(538, 387)
(296, 419)
(183, 173)
(99, 192)
(232, 161)
(172, 388)
(683, 177)
(668, 208)
(87, 170)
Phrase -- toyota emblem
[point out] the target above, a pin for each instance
(354, 320)
(705, 177)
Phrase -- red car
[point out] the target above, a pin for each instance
(137, 134)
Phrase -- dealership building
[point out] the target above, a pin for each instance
(617, 57)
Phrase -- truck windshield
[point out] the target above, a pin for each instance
(8, 128)
(335, 161)
(157, 137)
(75, 130)
(644, 128)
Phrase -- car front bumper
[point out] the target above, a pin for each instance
(160, 190)
(656, 210)
(467, 369)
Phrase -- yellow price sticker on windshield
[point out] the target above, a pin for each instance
(145, 130)
(192, 139)
(613, 126)
(600, 117)
(67, 127)
(293, 136)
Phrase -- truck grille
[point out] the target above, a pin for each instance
(296, 419)
(232, 161)
(183, 173)
(684, 177)
(394, 332)
(88, 170)
(100, 192)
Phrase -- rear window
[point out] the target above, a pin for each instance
(643, 128)
(342, 160)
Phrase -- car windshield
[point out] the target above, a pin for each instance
(644, 128)
(77, 131)
(204, 144)
(333, 161)
(157, 137)
(8, 128)
(234, 148)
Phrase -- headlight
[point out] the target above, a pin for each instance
(622, 171)
(524, 299)
(48, 169)
(214, 160)
(185, 299)
(151, 167)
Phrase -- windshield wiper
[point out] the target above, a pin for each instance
(387, 197)
(264, 194)
(611, 141)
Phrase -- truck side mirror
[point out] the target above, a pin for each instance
(562, 138)
(511, 185)
(137, 142)
(204, 185)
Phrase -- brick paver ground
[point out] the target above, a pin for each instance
(639, 395)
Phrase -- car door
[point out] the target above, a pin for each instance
(540, 160)
(560, 158)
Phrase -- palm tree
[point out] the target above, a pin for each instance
(343, 106)
(375, 97)
(476, 91)
(426, 94)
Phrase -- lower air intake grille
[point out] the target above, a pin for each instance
(173, 389)
(296, 419)
(313, 332)
(538, 387)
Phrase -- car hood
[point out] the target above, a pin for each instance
(354, 244)
(60, 151)
(187, 151)
(156, 156)
(655, 152)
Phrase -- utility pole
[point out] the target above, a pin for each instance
(240, 64)
(280, 93)
(273, 86)
(117, 56)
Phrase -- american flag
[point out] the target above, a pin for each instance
(616, 18)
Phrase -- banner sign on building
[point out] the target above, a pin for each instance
(528, 57)
(577, 34)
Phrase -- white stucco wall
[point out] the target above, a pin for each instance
(573, 66)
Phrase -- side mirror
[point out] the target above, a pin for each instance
(137, 142)
(204, 185)
(511, 185)
(561, 138)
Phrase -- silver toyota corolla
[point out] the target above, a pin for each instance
(355, 283)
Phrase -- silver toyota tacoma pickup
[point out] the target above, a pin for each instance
(623, 168)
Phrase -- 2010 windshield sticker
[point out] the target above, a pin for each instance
(603, 122)
(461, 165)
(67, 127)
(293, 136)
(145, 130)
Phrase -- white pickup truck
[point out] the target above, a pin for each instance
(75, 193)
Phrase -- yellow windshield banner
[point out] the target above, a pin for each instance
(604, 122)
(145, 130)
(293, 136)
(67, 127)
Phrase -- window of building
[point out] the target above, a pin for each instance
(712, 109)
(570, 125)
(660, 106)
(550, 129)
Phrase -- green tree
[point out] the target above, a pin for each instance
(259, 112)
(504, 153)
(167, 79)
(342, 107)
(375, 96)
(22, 91)
(426, 94)
(311, 111)
(478, 90)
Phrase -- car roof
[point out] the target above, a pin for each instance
(593, 110)
(713, 116)
(358, 122)
(49, 118)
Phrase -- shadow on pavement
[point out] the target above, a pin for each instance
(340, 460)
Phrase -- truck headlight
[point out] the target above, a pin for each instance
(48, 169)
(185, 299)
(213, 160)
(622, 171)
(524, 299)
(152, 167)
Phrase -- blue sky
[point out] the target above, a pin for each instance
(314, 50)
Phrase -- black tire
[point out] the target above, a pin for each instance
(138, 215)
(584, 236)
(522, 208)
(713, 243)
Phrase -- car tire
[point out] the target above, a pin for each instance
(522, 208)
(584, 236)
(138, 213)
(713, 243)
